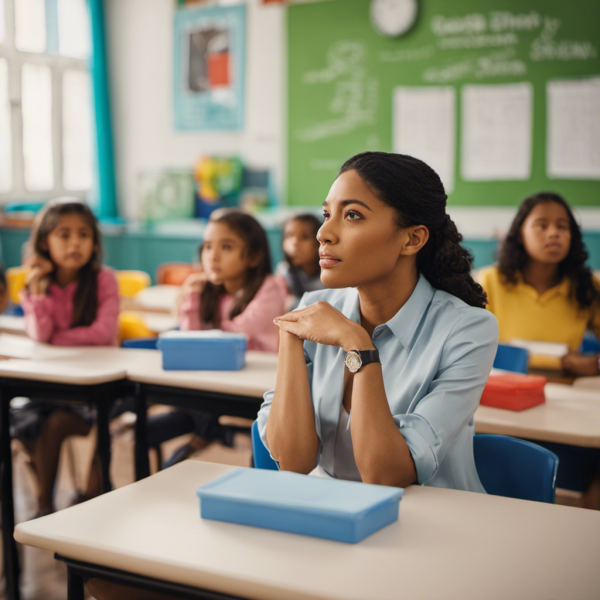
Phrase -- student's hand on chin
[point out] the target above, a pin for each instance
(578, 364)
(323, 324)
(195, 282)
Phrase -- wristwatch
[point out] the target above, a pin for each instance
(355, 359)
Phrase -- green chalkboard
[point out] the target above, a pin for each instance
(342, 76)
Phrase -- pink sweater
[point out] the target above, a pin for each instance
(48, 316)
(256, 321)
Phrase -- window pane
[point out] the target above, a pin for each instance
(73, 28)
(37, 127)
(5, 135)
(30, 25)
(77, 130)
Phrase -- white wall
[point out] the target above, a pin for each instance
(140, 47)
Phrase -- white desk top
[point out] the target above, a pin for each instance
(569, 416)
(589, 383)
(72, 365)
(447, 544)
(158, 297)
(255, 379)
(12, 324)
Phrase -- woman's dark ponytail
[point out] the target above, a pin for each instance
(417, 193)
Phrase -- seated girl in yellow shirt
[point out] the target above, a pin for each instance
(541, 289)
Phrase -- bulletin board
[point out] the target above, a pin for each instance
(538, 60)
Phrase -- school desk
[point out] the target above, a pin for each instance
(447, 544)
(12, 324)
(157, 298)
(63, 375)
(570, 416)
(236, 393)
(588, 383)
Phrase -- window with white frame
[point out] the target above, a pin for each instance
(46, 120)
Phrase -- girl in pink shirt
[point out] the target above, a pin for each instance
(234, 292)
(69, 300)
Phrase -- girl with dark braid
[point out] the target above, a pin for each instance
(379, 377)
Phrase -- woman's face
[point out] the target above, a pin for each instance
(546, 233)
(360, 242)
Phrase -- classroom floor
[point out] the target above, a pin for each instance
(43, 578)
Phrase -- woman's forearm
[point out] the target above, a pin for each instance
(291, 432)
(380, 451)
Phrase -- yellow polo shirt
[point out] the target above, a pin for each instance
(523, 313)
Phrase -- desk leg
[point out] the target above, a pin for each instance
(11, 559)
(102, 410)
(142, 462)
(75, 583)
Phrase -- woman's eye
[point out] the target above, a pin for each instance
(325, 215)
(353, 216)
(226, 247)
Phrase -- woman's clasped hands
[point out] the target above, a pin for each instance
(324, 324)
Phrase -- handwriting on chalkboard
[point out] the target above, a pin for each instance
(355, 96)
(503, 29)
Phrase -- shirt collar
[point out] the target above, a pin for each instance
(405, 322)
(563, 288)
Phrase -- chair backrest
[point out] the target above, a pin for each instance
(590, 345)
(511, 358)
(515, 468)
(174, 273)
(15, 282)
(141, 343)
(132, 282)
(132, 326)
(261, 456)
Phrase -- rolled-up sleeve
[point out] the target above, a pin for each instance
(453, 395)
(39, 320)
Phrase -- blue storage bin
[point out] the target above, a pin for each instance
(334, 509)
(211, 350)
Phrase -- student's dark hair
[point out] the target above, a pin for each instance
(2, 276)
(315, 224)
(417, 194)
(85, 301)
(513, 257)
(257, 247)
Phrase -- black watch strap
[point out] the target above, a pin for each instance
(368, 356)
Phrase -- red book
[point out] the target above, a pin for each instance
(514, 391)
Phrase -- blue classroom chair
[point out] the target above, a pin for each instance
(511, 358)
(260, 455)
(590, 344)
(143, 343)
(515, 468)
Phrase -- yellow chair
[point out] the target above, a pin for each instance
(132, 282)
(15, 281)
(133, 326)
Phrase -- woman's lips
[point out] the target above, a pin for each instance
(328, 261)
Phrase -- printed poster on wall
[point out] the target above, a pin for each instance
(209, 68)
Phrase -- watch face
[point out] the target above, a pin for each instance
(353, 361)
(393, 17)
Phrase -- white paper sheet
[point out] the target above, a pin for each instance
(424, 126)
(553, 349)
(573, 129)
(496, 132)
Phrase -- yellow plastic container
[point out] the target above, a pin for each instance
(133, 326)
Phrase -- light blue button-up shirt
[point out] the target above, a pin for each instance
(436, 355)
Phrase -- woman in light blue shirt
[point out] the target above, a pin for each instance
(378, 379)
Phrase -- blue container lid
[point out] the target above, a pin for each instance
(214, 336)
(302, 493)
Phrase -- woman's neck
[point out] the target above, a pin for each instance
(380, 301)
(541, 276)
(64, 277)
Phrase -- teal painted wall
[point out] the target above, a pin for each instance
(144, 251)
